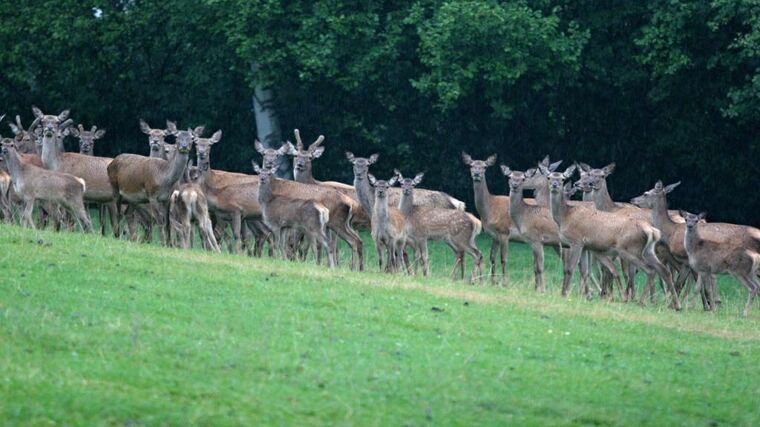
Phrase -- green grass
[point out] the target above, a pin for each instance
(95, 331)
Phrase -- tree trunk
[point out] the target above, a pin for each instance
(267, 123)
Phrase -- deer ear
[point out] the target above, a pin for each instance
(609, 168)
(291, 149)
(371, 179)
(216, 137)
(392, 181)
(14, 129)
(318, 152)
(466, 158)
(260, 148)
(397, 173)
(491, 160)
(584, 167)
(505, 170)
(672, 187)
(658, 185)
(284, 148)
(74, 132)
(171, 127)
(100, 133)
(530, 173)
(373, 158)
(418, 178)
(553, 167)
(701, 216)
(256, 167)
(144, 127)
(350, 157)
(569, 172)
(198, 131)
(544, 170)
(37, 112)
(64, 115)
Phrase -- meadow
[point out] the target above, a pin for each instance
(97, 331)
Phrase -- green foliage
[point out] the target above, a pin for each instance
(96, 331)
(669, 90)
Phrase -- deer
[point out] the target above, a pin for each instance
(26, 140)
(388, 226)
(595, 181)
(533, 222)
(605, 233)
(93, 170)
(188, 202)
(87, 140)
(725, 249)
(341, 209)
(494, 215)
(283, 212)
(458, 229)
(32, 183)
(138, 179)
(231, 204)
(673, 233)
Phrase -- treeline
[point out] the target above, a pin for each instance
(668, 90)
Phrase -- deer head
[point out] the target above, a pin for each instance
(302, 158)
(52, 127)
(184, 138)
(361, 164)
(87, 138)
(408, 184)
(517, 179)
(265, 174)
(647, 200)
(691, 219)
(592, 178)
(203, 147)
(557, 179)
(271, 156)
(381, 186)
(478, 167)
(156, 137)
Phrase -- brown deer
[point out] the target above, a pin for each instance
(33, 183)
(605, 233)
(87, 140)
(139, 179)
(232, 205)
(26, 140)
(534, 222)
(388, 226)
(494, 215)
(284, 212)
(458, 229)
(93, 170)
(727, 249)
(188, 202)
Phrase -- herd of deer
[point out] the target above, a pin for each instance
(292, 217)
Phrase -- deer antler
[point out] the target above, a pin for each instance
(94, 128)
(18, 123)
(81, 128)
(316, 143)
(299, 143)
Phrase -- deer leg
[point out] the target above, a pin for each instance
(82, 218)
(610, 269)
(504, 252)
(753, 286)
(569, 268)
(538, 266)
(26, 216)
(495, 248)
(477, 261)
(654, 263)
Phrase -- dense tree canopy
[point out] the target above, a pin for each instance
(668, 90)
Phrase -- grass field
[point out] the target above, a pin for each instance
(95, 331)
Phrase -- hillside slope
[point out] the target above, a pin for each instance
(95, 331)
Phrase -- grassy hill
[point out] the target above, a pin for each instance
(95, 331)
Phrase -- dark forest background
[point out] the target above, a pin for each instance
(666, 89)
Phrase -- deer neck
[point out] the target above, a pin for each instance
(541, 195)
(175, 170)
(15, 168)
(305, 176)
(516, 204)
(602, 199)
(482, 198)
(558, 207)
(265, 192)
(691, 239)
(364, 192)
(50, 156)
(406, 202)
(380, 211)
(660, 217)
